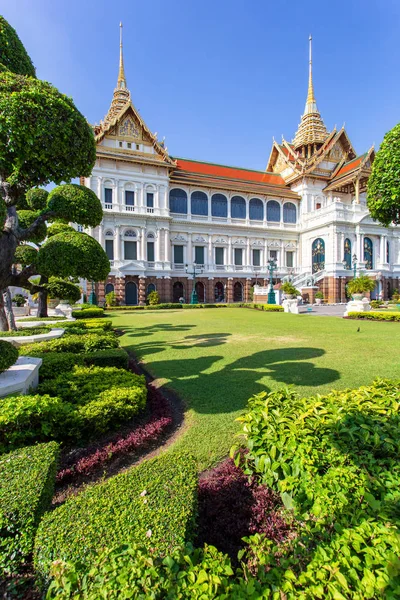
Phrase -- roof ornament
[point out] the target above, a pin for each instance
(121, 84)
(311, 104)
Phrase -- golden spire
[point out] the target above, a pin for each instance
(312, 129)
(121, 84)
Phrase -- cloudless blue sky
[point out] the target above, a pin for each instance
(219, 78)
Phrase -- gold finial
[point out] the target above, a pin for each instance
(121, 73)
(310, 95)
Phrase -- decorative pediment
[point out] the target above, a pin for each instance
(200, 238)
(290, 245)
(220, 241)
(256, 243)
(179, 238)
(239, 242)
(128, 128)
(274, 244)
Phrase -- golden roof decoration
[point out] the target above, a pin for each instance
(122, 95)
(311, 129)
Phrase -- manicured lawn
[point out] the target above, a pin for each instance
(215, 359)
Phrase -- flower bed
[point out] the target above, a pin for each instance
(136, 441)
(375, 316)
(27, 479)
(153, 504)
(76, 405)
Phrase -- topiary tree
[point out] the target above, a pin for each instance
(383, 190)
(65, 290)
(43, 139)
(8, 355)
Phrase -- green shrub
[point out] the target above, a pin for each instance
(26, 332)
(27, 319)
(153, 298)
(19, 299)
(111, 299)
(74, 405)
(290, 289)
(113, 357)
(334, 460)
(8, 355)
(375, 303)
(56, 363)
(124, 308)
(28, 419)
(165, 305)
(83, 331)
(153, 505)
(104, 324)
(88, 313)
(60, 288)
(131, 572)
(375, 316)
(27, 479)
(73, 343)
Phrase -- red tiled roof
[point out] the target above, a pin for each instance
(210, 169)
(350, 166)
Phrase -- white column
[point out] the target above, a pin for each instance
(209, 206)
(117, 242)
(210, 254)
(383, 249)
(167, 245)
(99, 190)
(157, 244)
(143, 245)
(189, 257)
(229, 258)
(120, 199)
(248, 260)
(101, 235)
(139, 191)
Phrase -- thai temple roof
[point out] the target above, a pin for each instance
(311, 129)
(121, 96)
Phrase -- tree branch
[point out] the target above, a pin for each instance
(25, 234)
(21, 279)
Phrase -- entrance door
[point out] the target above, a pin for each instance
(200, 292)
(238, 292)
(131, 297)
(178, 291)
(219, 292)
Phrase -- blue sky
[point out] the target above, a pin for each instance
(220, 78)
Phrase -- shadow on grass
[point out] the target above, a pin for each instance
(226, 389)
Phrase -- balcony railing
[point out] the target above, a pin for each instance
(129, 208)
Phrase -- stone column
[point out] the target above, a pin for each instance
(229, 290)
(167, 243)
(157, 246)
(101, 294)
(142, 290)
(101, 235)
(120, 290)
(210, 296)
(117, 249)
(189, 249)
(167, 289)
(229, 258)
(143, 245)
(210, 254)
(248, 252)
(247, 287)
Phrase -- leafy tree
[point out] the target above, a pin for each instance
(383, 193)
(43, 139)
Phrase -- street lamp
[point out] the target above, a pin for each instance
(193, 298)
(92, 297)
(352, 266)
(271, 294)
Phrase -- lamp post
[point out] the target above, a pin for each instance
(271, 294)
(352, 266)
(193, 298)
(92, 297)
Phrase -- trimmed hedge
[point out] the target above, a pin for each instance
(27, 331)
(89, 324)
(8, 355)
(88, 313)
(132, 572)
(57, 363)
(77, 404)
(153, 504)
(28, 319)
(375, 316)
(72, 343)
(334, 461)
(264, 307)
(27, 479)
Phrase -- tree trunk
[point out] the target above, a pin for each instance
(8, 310)
(3, 317)
(42, 299)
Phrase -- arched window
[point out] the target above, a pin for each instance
(238, 207)
(131, 297)
(199, 203)
(150, 236)
(177, 291)
(178, 201)
(200, 292)
(109, 288)
(273, 211)
(347, 253)
(130, 233)
(219, 292)
(150, 288)
(318, 255)
(109, 233)
(219, 205)
(368, 253)
(289, 212)
(238, 292)
(256, 209)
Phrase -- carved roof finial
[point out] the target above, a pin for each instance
(121, 84)
(312, 129)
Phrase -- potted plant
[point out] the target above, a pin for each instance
(111, 299)
(359, 286)
(289, 290)
(319, 297)
(19, 300)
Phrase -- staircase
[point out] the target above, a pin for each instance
(306, 279)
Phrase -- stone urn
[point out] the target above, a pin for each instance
(64, 309)
(318, 300)
(52, 302)
(357, 297)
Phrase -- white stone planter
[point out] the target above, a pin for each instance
(21, 340)
(357, 306)
(21, 377)
(39, 323)
(64, 309)
(318, 300)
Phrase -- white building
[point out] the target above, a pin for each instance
(163, 215)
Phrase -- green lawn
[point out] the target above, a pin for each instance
(215, 359)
